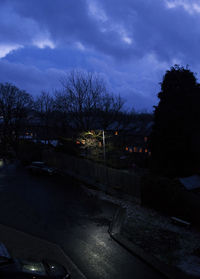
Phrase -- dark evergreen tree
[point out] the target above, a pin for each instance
(176, 131)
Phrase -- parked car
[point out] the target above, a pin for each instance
(22, 269)
(41, 168)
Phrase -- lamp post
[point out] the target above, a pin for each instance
(105, 168)
(104, 148)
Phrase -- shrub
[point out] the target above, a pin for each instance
(160, 192)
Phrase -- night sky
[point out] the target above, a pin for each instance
(130, 43)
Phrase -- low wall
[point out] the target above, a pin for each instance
(105, 178)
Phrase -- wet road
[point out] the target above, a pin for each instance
(60, 211)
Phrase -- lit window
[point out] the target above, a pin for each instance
(135, 149)
(140, 150)
(145, 139)
(126, 148)
(116, 133)
(146, 150)
(77, 142)
(130, 150)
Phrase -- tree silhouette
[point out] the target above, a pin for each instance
(176, 123)
(14, 106)
(88, 101)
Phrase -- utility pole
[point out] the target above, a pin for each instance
(104, 148)
(105, 168)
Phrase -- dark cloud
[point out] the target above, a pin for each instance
(130, 43)
(120, 29)
(14, 28)
(169, 33)
(64, 23)
(30, 78)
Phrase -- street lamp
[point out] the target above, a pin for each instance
(104, 148)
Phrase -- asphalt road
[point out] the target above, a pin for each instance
(60, 211)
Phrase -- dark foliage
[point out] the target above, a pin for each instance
(169, 197)
(14, 107)
(67, 145)
(176, 130)
(30, 151)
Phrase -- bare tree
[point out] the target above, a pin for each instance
(61, 105)
(44, 105)
(61, 102)
(14, 106)
(110, 107)
(88, 100)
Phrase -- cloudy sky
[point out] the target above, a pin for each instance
(131, 43)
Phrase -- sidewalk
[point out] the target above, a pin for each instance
(136, 229)
(169, 272)
(117, 230)
(25, 246)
